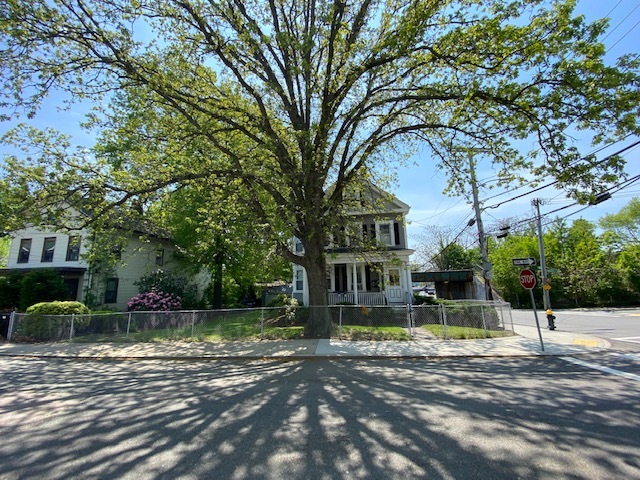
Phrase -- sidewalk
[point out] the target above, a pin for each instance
(525, 343)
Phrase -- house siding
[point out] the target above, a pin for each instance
(138, 258)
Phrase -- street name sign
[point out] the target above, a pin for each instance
(527, 279)
(519, 262)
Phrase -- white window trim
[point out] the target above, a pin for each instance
(391, 233)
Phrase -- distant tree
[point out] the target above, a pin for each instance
(625, 224)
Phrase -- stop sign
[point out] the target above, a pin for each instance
(527, 279)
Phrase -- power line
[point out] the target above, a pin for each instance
(636, 143)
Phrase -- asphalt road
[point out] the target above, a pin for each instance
(621, 327)
(532, 418)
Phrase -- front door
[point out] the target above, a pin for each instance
(394, 286)
(341, 278)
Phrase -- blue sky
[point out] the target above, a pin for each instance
(421, 186)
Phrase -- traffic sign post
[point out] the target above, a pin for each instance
(523, 262)
(528, 281)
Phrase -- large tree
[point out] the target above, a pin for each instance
(317, 93)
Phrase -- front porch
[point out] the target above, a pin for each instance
(357, 298)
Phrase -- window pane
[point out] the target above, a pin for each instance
(160, 257)
(385, 234)
(111, 292)
(394, 278)
(25, 250)
(73, 249)
(48, 249)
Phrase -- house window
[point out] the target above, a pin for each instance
(160, 257)
(73, 249)
(116, 252)
(297, 246)
(299, 280)
(25, 250)
(111, 291)
(48, 249)
(394, 278)
(384, 234)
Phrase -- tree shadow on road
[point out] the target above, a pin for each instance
(473, 418)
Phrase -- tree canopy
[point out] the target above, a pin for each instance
(296, 96)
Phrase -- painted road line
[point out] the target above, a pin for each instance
(602, 368)
(628, 339)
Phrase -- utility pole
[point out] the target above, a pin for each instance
(543, 262)
(486, 267)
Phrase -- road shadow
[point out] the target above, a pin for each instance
(310, 419)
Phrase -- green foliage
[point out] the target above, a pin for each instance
(58, 308)
(586, 268)
(169, 283)
(5, 242)
(51, 321)
(10, 287)
(464, 333)
(43, 285)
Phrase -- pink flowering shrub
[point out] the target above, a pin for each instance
(154, 302)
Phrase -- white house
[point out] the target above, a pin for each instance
(360, 275)
(110, 288)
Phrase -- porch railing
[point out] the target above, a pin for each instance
(364, 298)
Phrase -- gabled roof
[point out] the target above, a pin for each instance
(375, 200)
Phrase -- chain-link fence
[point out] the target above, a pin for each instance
(464, 319)
(459, 320)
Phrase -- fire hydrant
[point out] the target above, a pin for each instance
(551, 320)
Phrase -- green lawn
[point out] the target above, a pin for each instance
(465, 333)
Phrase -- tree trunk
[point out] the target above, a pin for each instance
(319, 323)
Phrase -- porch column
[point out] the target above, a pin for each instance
(408, 291)
(354, 274)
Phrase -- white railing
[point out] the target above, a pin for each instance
(364, 298)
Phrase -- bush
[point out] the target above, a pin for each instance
(170, 283)
(51, 320)
(58, 308)
(154, 302)
(10, 291)
(281, 300)
(44, 285)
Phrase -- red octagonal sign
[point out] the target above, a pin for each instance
(527, 279)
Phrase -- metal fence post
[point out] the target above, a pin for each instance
(340, 323)
(511, 320)
(484, 320)
(444, 322)
(410, 320)
(128, 325)
(73, 318)
(262, 323)
(193, 323)
(11, 325)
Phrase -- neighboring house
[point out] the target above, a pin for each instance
(108, 287)
(360, 275)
